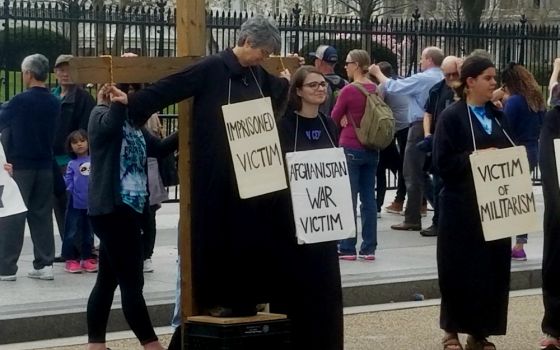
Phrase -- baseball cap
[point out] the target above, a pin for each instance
(62, 59)
(326, 53)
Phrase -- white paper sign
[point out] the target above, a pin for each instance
(255, 147)
(504, 192)
(557, 157)
(321, 196)
(11, 201)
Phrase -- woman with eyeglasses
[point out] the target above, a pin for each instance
(309, 289)
(362, 163)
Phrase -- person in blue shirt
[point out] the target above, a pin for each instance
(524, 109)
(416, 88)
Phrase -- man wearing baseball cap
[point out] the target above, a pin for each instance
(76, 105)
(325, 58)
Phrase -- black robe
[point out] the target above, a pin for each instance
(312, 294)
(230, 238)
(551, 247)
(473, 274)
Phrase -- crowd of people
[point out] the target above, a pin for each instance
(442, 114)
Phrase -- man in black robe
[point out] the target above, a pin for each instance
(233, 246)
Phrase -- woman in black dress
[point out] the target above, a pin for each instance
(310, 291)
(473, 274)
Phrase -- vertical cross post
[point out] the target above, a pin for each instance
(191, 39)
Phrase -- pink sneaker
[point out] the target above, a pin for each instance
(72, 266)
(368, 257)
(549, 343)
(90, 265)
(518, 254)
(347, 257)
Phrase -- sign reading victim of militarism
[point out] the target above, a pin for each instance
(504, 192)
(255, 147)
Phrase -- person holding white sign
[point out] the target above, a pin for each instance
(548, 162)
(311, 295)
(473, 274)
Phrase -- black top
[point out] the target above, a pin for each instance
(441, 96)
(311, 132)
(29, 120)
(76, 107)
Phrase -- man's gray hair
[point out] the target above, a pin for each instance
(37, 65)
(260, 32)
(435, 53)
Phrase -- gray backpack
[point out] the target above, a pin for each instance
(377, 128)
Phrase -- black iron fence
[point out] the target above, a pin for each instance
(84, 29)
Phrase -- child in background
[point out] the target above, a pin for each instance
(78, 227)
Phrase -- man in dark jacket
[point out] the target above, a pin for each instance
(76, 107)
(325, 58)
(28, 118)
(441, 96)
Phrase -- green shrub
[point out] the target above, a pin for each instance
(24, 41)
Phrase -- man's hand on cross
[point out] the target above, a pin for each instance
(9, 168)
(118, 95)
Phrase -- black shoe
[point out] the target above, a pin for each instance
(429, 232)
(241, 310)
(59, 259)
(407, 227)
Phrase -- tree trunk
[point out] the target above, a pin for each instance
(472, 10)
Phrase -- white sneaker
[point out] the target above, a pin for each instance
(46, 273)
(7, 277)
(148, 267)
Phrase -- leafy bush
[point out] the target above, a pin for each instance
(24, 41)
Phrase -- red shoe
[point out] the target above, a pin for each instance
(72, 266)
(90, 265)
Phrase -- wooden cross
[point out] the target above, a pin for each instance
(191, 40)
(107, 69)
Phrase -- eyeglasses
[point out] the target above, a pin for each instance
(451, 75)
(316, 84)
(348, 62)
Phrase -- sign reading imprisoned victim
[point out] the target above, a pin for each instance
(504, 192)
(321, 196)
(255, 147)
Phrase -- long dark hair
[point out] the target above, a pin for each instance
(518, 80)
(472, 67)
(294, 101)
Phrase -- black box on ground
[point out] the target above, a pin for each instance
(261, 332)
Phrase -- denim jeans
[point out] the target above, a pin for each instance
(362, 167)
(77, 223)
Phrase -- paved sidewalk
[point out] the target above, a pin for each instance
(386, 327)
(405, 265)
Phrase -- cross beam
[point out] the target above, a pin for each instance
(103, 69)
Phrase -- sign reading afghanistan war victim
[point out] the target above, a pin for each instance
(504, 192)
(321, 197)
(255, 147)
